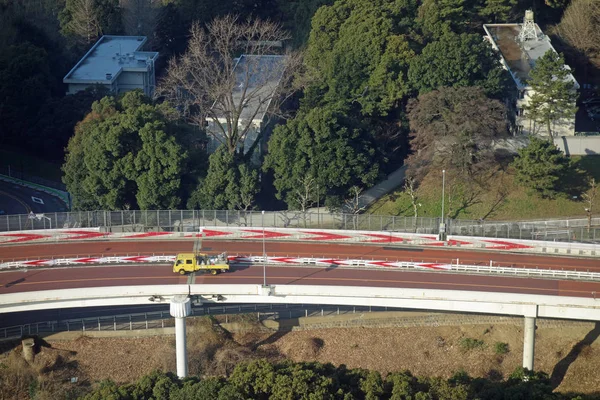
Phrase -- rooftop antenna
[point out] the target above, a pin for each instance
(528, 28)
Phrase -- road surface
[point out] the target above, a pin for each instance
(97, 276)
(295, 249)
(17, 199)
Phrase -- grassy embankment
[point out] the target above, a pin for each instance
(499, 198)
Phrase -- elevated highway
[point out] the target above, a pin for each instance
(80, 286)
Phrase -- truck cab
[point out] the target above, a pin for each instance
(191, 262)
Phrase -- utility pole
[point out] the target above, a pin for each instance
(264, 252)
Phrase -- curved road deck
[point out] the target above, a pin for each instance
(97, 276)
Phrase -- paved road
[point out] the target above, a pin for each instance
(97, 276)
(296, 249)
(84, 277)
(16, 199)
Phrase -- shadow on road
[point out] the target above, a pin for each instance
(561, 368)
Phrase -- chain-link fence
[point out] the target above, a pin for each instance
(582, 229)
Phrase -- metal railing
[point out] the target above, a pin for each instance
(162, 319)
(575, 229)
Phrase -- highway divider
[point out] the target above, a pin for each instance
(382, 238)
(319, 262)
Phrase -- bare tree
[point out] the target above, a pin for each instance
(304, 195)
(590, 198)
(411, 190)
(579, 27)
(84, 22)
(454, 129)
(352, 204)
(211, 82)
(140, 17)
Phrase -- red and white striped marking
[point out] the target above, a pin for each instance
(282, 234)
(232, 259)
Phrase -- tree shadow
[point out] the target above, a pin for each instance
(467, 201)
(501, 196)
(272, 338)
(561, 368)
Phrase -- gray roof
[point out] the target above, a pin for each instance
(259, 77)
(108, 57)
(519, 57)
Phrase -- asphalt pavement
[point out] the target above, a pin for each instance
(17, 199)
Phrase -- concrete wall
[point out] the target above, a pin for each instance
(579, 145)
(563, 127)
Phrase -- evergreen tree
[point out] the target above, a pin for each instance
(326, 146)
(540, 166)
(554, 93)
(126, 152)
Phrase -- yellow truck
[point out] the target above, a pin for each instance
(191, 262)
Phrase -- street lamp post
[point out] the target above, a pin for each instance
(264, 252)
(442, 230)
(318, 210)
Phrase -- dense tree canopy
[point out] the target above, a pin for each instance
(458, 60)
(323, 145)
(453, 128)
(83, 21)
(25, 83)
(229, 184)
(261, 380)
(125, 154)
(358, 53)
(540, 166)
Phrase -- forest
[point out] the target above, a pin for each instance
(360, 79)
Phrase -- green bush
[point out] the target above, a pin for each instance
(501, 348)
(470, 344)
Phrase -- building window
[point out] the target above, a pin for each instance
(521, 94)
(520, 111)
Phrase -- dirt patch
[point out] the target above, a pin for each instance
(436, 351)
(561, 351)
(119, 359)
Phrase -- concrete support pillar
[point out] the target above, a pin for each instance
(529, 343)
(181, 307)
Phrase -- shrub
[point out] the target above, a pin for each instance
(470, 344)
(501, 348)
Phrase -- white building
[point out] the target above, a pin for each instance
(520, 45)
(116, 62)
(257, 78)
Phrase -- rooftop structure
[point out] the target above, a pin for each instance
(520, 46)
(257, 78)
(116, 62)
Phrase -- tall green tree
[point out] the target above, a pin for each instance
(540, 166)
(498, 10)
(358, 54)
(125, 153)
(25, 83)
(458, 60)
(554, 94)
(438, 17)
(83, 21)
(230, 184)
(325, 146)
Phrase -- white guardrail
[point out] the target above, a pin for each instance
(320, 262)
